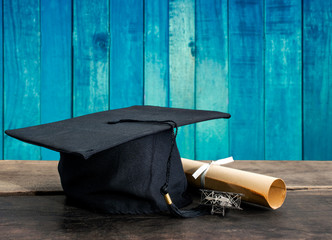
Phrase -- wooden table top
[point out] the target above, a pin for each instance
(32, 206)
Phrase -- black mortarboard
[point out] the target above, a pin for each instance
(117, 161)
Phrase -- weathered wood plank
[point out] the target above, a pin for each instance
(305, 215)
(182, 67)
(246, 56)
(21, 73)
(283, 80)
(20, 177)
(156, 81)
(1, 82)
(211, 76)
(56, 64)
(317, 80)
(91, 56)
(126, 64)
(24, 177)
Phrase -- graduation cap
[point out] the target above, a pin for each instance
(119, 161)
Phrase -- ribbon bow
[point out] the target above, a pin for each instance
(202, 170)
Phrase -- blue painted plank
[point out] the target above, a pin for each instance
(317, 80)
(126, 64)
(156, 82)
(283, 88)
(182, 67)
(1, 85)
(91, 56)
(246, 61)
(21, 74)
(211, 77)
(55, 64)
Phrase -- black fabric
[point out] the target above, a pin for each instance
(118, 166)
(126, 178)
(90, 134)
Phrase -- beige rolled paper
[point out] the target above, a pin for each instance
(257, 188)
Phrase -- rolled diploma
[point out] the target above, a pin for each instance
(257, 188)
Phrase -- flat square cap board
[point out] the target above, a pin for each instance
(92, 133)
(115, 161)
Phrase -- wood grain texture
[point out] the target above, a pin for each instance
(1, 83)
(69, 58)
(211, 68)
(21, 73)
(91, 56)
(246, 54)
(56, 65)
(23, 177)
(126, 64)
(182, 67)
(156, 82)
(29, 177)
(317, 80)
(283, 97)
(50, 217)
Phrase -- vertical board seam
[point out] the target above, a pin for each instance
(3, 80)
(109, 40)
(143, 72)
(302, 78)
(40, 68)
(264, 79)
(228, 76)
(195, 93)
(72, 58)
(168, 65)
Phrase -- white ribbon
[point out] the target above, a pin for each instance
(202, 170)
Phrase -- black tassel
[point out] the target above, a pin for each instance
(173, 209)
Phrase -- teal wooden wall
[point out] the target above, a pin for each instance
(268, 63)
